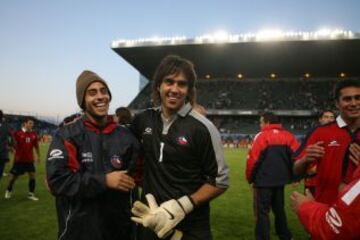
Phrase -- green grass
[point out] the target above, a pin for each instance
(232, 213)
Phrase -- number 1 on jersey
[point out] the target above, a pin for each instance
(161, 151)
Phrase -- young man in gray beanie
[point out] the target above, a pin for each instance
(89, 167)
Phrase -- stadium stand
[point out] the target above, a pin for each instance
(241, 76)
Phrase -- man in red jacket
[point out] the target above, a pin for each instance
(339, 220)
(268, 169)
(26, 141)
(327, 145)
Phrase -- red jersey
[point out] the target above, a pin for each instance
(24, 144)
(336, 137)
(270, 158)
(337, 221)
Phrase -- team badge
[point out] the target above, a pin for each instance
(148, 131)
(116, 162)
(182, 141)
(87, 157)
(333, 143)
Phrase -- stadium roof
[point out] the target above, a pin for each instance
(321, 54)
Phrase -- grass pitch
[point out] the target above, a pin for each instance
(231, 214)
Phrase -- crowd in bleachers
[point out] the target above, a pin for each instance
(260, 94)
(311, 95)
(266, 94)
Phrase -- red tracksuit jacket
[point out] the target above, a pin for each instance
(340, 220)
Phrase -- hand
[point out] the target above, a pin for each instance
(162, 220)
(37, 159)
(354, 153)
(297, 199)
(314, 151)
(119, 180)
(295, 184)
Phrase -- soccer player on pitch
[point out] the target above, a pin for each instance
(25, 140)
(184, 166)
(327, 144)
(88, 168)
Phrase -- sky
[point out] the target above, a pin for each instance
(45, 45)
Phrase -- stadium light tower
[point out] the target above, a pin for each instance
(221, 36)
(270, 34)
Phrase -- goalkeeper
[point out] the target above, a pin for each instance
(184, 166)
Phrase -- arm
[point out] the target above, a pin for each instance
(37, 149)
(65, 178)
(337, 221)
(214, 169)
(206, 193)
(63, 175)
(253, 156)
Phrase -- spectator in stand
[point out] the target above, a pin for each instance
(25, 141)
(268, 169)
(326, 145)
(5, 143)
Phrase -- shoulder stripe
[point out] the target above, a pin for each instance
(222, 179)
(353, 193)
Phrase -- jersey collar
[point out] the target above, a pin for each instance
(272, 126)
(108, 128)
(340, 122)
(183, 111)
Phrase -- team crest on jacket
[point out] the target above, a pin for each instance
(148, 131)
(116, 162)
(182, 141)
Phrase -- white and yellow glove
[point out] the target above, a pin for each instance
(162, 219)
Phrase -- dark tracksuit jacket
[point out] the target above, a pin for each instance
(5, 140)
(79, 157)
(179, 157)
(269, 168)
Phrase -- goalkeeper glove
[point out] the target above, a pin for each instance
(163, 219)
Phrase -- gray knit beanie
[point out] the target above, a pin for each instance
(83, 82)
